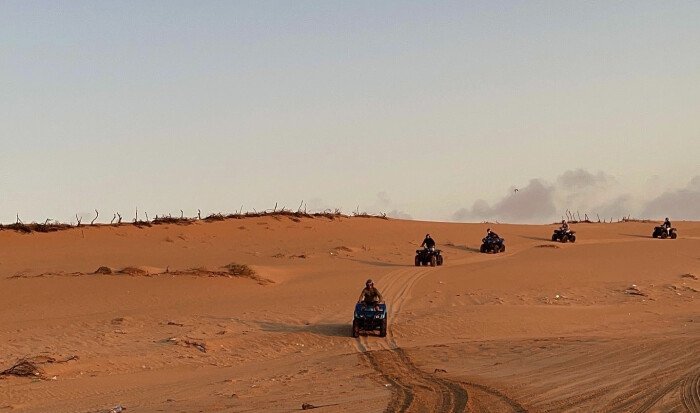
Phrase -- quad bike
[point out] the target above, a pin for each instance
(661, 232)
(428, 256)
(564, 235)
(369, 318)
(492, 245)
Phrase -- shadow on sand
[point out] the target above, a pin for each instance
(376, 263)
(535, 238)
(636, 236)
(462, 248)
(329, 330)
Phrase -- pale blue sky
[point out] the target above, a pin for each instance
(419, 108)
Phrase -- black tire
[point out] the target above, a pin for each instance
(674, 235)
(565, 239)
(572, 238)
(503, 248)
(417, 261)
(654, 235)
(355, 329)
(554, 237)
(382, 328)
(439, 260)
(483, 248)
(433, 261)
(664, 235)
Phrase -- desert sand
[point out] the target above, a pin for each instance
(608, 324)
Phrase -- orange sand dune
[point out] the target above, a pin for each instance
(543, 327)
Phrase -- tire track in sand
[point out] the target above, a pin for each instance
(690, 393)
(413, 390)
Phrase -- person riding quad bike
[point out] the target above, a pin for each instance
(428, 242)
(491, 235)
(564, 226)
(667, 226)
(370, 296)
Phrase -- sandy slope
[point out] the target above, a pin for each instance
(542, 327)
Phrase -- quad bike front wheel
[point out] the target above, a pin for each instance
(572, 238)
(664, 235)
(355, 329)
(433, 261)
(382, 328)
(502, 249)
(439, 260)
(417, 261)
(674, 235)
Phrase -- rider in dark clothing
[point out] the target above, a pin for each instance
(564, 226)
(491, 235)
(428, 242)
(667, 225)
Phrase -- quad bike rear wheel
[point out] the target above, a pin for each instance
(674, 235)
(483, 248)
(554, 237)
(382, 328)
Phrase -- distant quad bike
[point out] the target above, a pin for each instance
(367, 319)
(661, 232)
(428, 256)
(492, 245)
(564, 236)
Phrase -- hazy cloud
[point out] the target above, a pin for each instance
(533, 202)
(384, 204)
(580, 178)
(582, 192)
(679, 204)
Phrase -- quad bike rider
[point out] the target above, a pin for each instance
(428, 255)
(665, 230)
(370, 312)
(564, 233)
(492, 243)
(370, 295)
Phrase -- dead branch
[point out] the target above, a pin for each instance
(78, 219)
(120, 218)
(97, 214)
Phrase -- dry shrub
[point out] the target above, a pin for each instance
(133, 271)
(35, 227)
(240, 270)
(23, 368)
(29, 367)
(171, 220)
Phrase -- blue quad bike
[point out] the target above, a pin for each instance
(367, 319)
(492, 245)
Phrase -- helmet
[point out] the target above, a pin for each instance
(666, 218)
(563, 221)
(427, 235)
(369, 282)
(488, 230)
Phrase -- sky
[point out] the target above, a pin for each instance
(449, 111)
